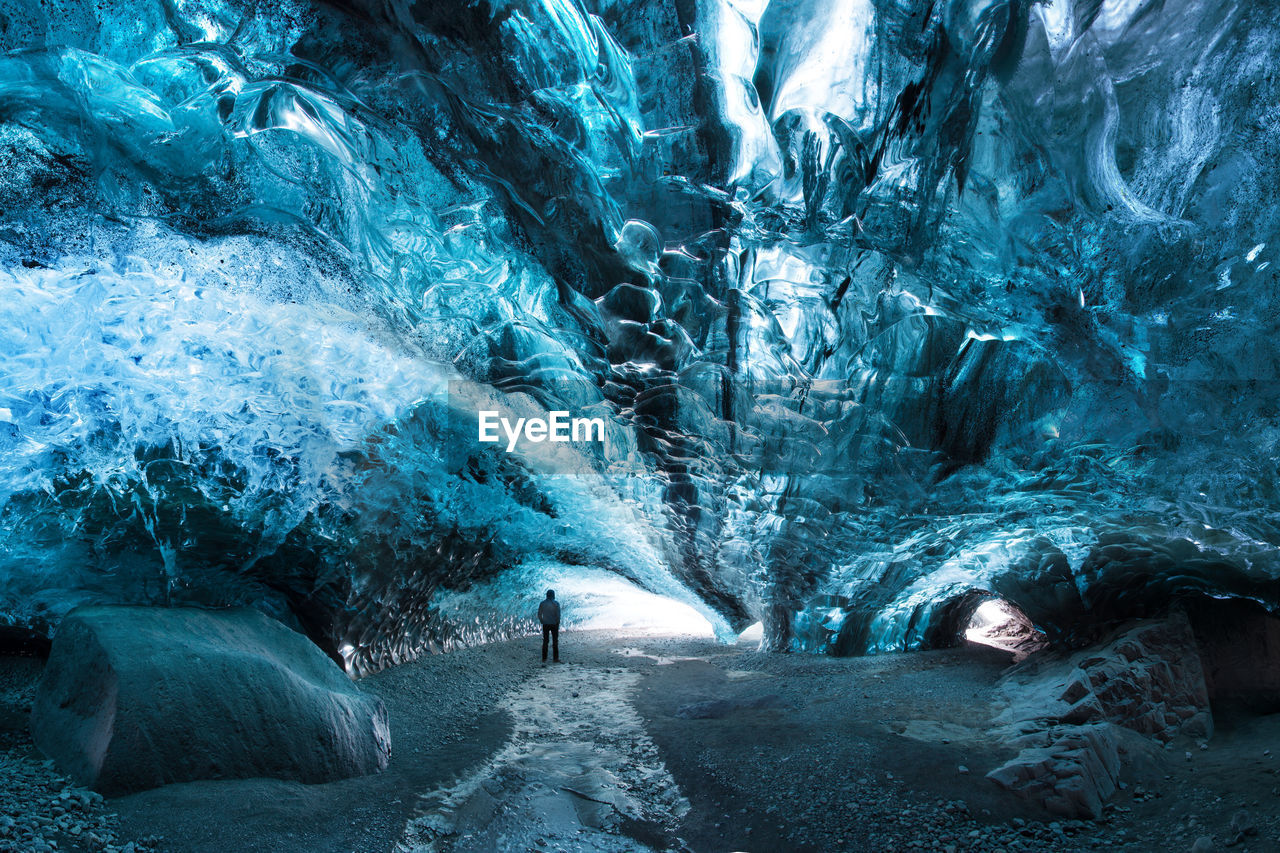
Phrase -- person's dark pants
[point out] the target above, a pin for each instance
(552, 633)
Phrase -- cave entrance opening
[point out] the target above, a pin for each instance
(591, 599)
(982, 618)
(599, 600)
(1000, 624)
(634, 611)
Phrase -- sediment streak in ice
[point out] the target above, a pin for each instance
(577, 765)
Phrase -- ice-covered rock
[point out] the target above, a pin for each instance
(137, 697)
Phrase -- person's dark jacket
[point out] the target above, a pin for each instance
(549, 612)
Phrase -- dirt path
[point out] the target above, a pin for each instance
(577, 771)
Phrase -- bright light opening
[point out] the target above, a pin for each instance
(612, 603)
(753, 635)
(998, 624)
(590, 599)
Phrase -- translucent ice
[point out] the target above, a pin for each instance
(885, 304)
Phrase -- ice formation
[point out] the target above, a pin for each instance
(887, 304)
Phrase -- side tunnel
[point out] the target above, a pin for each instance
(1239, 644)
(984, 618)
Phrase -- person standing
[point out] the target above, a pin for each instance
(549, 616)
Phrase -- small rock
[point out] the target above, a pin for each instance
(962, 770)
(1242, 823)
(1203, 844)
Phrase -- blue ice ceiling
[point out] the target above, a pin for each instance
(885, 303)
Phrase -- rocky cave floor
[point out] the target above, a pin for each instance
(657, 743)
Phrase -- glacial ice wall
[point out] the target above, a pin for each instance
(885, 302)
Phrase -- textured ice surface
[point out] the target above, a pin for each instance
(573, 774)
(886, 303)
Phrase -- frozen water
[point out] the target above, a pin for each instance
(886, 303)
(577, 766)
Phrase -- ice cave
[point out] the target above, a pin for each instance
(889, 391)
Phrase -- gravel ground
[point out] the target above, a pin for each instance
(40, 809)
(445, 718)
(769, 752)
(889, 753)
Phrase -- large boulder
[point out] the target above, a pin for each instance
(1071, 770)
(1147, 678)
(1078, 718)
(138, 697)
